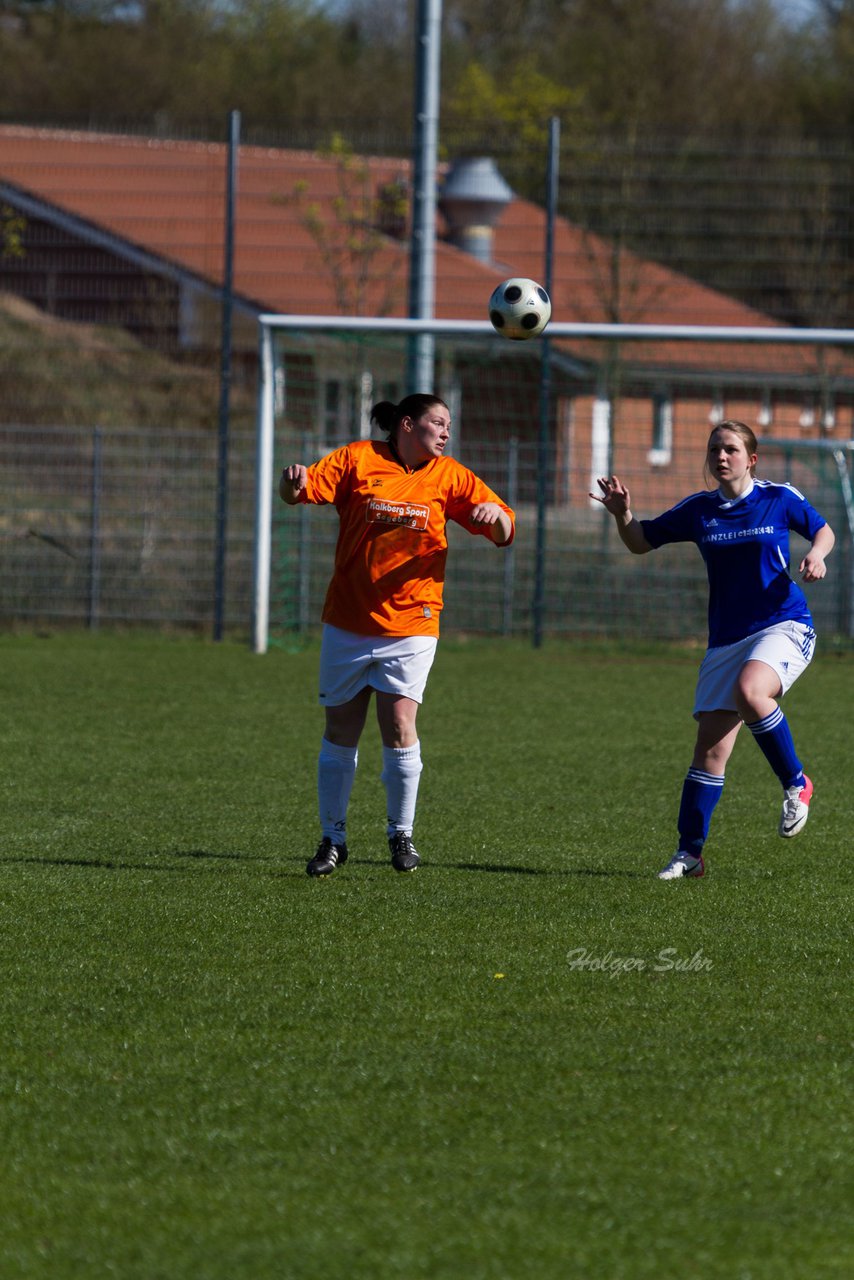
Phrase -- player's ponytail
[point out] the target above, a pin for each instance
(388, 416)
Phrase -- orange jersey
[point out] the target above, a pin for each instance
(392, 544)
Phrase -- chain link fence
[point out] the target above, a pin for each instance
(103, 528)
(594, 589)
(644, 413)
(109, 361)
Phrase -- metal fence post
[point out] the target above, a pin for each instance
(510, 553)
(225, 376)
(422, 251)
(94, 602)
(304, 555)
(543, 468)
(841, 461)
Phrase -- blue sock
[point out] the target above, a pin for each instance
(700, 793)
(774, 739)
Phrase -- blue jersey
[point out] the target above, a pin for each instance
(745, 544)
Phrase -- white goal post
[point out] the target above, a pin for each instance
(423, 330)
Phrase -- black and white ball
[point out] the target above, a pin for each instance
(519, 308)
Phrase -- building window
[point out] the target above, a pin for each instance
(717, 411)
(338, 416)
(331, 410)
(389, 391)
(662, 430)
(828, 412)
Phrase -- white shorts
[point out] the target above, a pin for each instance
(392, 664)
(787, 647)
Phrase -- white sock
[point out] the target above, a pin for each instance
(401, 772)
(336, 769)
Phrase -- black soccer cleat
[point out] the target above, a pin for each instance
(328, 857)
(403, 854)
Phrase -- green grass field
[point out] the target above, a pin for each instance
(214, 1067)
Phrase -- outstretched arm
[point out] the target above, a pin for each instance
(496, 519)
(616, 499)
(812, 567)
(292, 483)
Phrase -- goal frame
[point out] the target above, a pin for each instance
(423, 331)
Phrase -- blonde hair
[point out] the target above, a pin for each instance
(745, 435)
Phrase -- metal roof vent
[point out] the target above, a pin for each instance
(472, 199)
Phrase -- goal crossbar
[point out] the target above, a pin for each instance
(556, 329)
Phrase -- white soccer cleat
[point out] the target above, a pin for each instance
(796, 809)
(682, 864)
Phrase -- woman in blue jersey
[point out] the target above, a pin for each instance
(761, 635)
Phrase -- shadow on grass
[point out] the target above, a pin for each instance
(108, 864)
(503, 868)
(508, 869)
(208, 853)
(104, 864)
(201, 855)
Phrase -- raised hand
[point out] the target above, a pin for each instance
(292, 483)
(485, 513)
(614, 497)
(496, 520)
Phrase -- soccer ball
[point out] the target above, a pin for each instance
(519, 308)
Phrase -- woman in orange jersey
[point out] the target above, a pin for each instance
(381, 615)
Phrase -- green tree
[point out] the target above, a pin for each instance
(12, 227)
(349, 232)
(522, 104)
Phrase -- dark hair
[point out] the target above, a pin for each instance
(740, 429)
(388, 416)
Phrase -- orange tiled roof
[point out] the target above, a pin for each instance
(167, 199)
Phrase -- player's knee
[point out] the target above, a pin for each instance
(400, 732)
(751, 696)
(711, 758)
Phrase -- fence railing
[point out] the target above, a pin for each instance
(638, 400)
(594, 589)
(103, 528)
